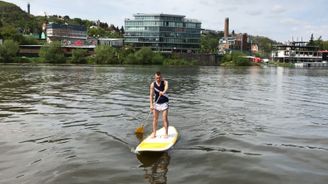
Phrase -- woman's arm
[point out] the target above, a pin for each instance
(151, 94)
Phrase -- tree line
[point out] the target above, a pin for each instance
(103, 54)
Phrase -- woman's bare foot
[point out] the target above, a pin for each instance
(165, 136)
(153, 135)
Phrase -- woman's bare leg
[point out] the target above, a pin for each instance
(155, 122)
(166, 121)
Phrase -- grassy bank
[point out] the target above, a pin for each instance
(235, 58)
(287, 65)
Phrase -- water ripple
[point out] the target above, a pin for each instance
(76, 124)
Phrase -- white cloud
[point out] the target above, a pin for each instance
(278, 9)
(254, 12)
(292, 21)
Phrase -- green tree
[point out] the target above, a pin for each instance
(105, 54)
(239, 59)
(52, 53)
(209, 43)
(79, 56)
(125, 52)
(122, 30)
(78, 21)
(29, 40)
(144, 56)
(324, 45)
(11, 33)
(264, 44)
(96, 32)
(66, 18)
(157, 59)
(8, 51)
(130, 59)
(226, 58)
(87, 23)
(8, 32)
(311, 41)
(114, 34)
(235, 58)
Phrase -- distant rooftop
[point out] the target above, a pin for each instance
(183, 17)
(157, 14)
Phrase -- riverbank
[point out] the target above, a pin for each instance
(170, 62)
(105, 54)
(53, 54)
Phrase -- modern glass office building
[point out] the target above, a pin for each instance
(163, 32)
(64, 31)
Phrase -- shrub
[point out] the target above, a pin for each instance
(105, 54)
(157, 59)
(144, 56)
(29, 40)
(8, 51)
(91, 60)
(226, 58)
(52, 53)
(235, 58)
(79, 56)
(130, 59)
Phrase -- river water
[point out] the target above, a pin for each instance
(75, 124)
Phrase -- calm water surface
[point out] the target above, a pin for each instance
(75, 124)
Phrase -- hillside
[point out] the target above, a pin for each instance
(10, 14)
(264, 43)
(14, 23)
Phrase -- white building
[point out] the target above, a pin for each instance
(296, 52)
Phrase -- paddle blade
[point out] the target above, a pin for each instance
(140, 130)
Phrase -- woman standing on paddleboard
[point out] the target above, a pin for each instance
(159, 87)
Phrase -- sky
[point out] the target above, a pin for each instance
(280, 20)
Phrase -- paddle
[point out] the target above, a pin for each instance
(140, 129)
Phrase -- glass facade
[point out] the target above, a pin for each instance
(163, 32)
(68, 35)
(68, 31)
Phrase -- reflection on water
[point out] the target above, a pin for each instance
(139, 136)
(155, 165)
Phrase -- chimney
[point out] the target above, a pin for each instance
(28, 8)
(226, 27)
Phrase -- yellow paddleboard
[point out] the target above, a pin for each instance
(159, 143)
